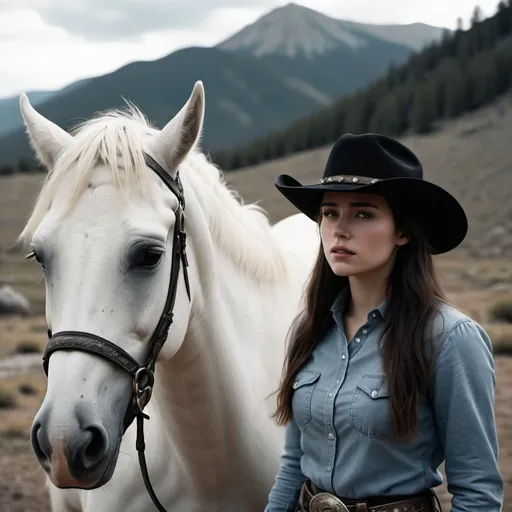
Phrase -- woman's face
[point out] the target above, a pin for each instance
(358, 233)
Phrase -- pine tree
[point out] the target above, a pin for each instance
(423, 109)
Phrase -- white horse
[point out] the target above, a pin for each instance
(102, 230)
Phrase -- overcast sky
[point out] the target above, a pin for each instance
(46, 44)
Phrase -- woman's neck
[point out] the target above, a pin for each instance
(367, 293)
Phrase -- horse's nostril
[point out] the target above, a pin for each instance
(95, 448)
(40, 444)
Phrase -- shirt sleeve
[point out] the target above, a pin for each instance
(285, 492)
(464, 393)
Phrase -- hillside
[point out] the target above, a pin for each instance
(460, 73)
(247, 94)
(470, 157)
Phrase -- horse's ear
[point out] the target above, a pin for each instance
(46, 137)
(183, 132)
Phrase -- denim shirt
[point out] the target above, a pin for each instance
(340, 434)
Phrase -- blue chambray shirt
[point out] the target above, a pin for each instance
(340, 434)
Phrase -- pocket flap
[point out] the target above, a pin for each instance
(375, 386)
(305, 377)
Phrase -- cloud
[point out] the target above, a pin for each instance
(34, 55)
(111, 20)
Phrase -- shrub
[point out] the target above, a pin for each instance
(27, 389)
(12, 433)
(27, 347)
(502, 311)
(7, 400)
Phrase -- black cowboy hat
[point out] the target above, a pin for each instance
(374, 163)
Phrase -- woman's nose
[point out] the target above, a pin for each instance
(341, 229)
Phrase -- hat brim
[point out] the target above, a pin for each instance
(440, 214)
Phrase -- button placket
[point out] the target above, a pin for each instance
(330, 419)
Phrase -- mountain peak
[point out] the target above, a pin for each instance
(292, 30)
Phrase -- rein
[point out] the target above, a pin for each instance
(142, 374)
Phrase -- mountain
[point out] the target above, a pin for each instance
(464, 71)
(413, 35)
(294, 30)
(317, 55)
(248, 92)
(242, 96)
(10, 117)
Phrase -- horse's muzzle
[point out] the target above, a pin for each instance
(79, 457)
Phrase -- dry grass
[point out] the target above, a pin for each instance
(19, 418)
(22, 478)
(15, 332)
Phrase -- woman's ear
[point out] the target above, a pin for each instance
(402, 239)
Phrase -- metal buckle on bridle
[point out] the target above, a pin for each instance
(142, 390)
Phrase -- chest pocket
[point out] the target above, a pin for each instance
(369, 410)
(303, 386)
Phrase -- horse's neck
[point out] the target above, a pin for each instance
(211, 394)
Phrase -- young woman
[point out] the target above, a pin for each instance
(383, 379)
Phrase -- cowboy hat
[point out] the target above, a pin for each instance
(375, 163)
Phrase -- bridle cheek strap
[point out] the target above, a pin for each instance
(142, 374)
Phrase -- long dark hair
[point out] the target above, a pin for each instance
(413, 294)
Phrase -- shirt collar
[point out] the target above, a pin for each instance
(340, 303)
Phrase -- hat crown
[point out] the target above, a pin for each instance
(372, 155)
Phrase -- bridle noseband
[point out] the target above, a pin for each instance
(142, 374)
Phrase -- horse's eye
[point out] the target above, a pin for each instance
(33, 255)
(148, 258)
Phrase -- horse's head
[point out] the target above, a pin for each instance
(104, 230)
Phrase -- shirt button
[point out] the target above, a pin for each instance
(329, 468)
(374, 393)
(374, 315)
(358, 340)
(330, 394)
(343, 356)
(331, 435)
(337, 382)
(365, 331)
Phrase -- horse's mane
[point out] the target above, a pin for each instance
(117, 138)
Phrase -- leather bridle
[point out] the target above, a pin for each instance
(142, 374)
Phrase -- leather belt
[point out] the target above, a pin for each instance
(321, 501)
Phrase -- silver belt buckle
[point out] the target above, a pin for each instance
(325, 502)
